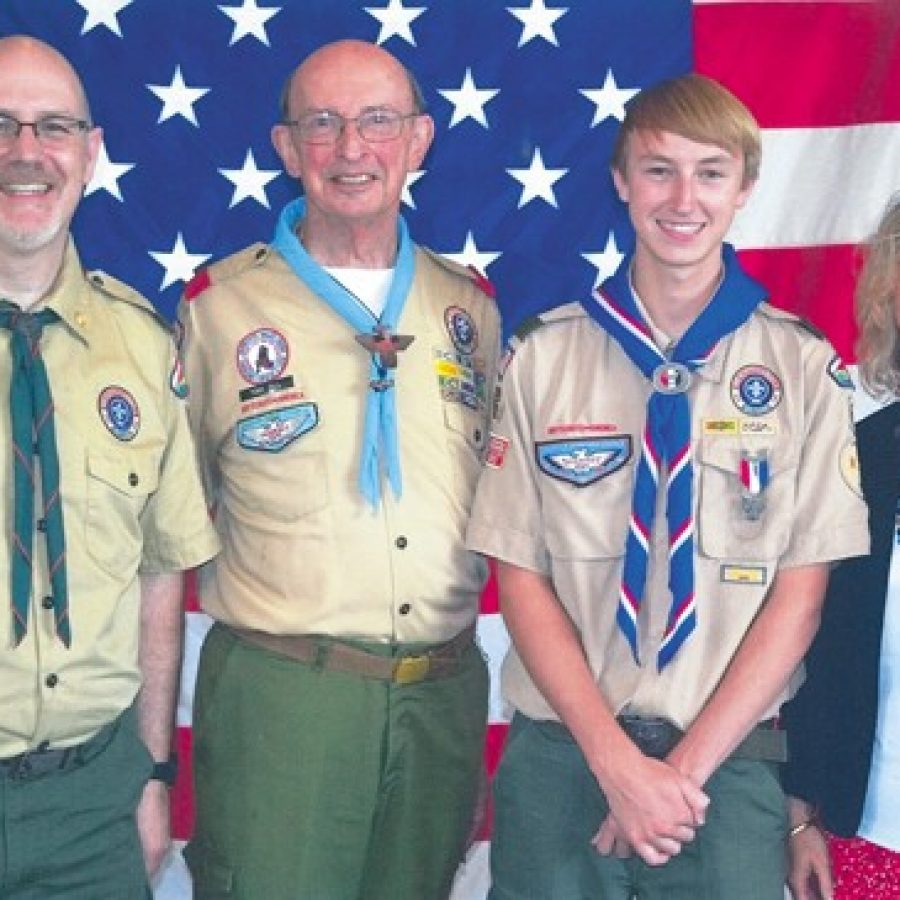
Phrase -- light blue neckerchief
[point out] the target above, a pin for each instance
(380, 429)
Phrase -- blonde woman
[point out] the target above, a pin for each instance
(844, 725)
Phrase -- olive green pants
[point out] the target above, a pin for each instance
(548, 806)
(318, 785)
(71, 835)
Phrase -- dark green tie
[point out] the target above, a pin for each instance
(33, 432)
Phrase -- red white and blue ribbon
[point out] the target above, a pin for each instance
(666, 445)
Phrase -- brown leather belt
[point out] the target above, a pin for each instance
(330, 654)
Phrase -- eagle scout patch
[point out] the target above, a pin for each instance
(461, 328)
(755, 390)
(262, 355)
(119, 411)
(583, 462)
(275, 429)
(839, 374)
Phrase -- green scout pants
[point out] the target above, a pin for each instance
(319, 785)
(548, 806)
(71, 834)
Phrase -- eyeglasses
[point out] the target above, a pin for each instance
(50, 130)
(326, 127)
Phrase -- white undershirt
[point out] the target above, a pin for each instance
(371, 286)
(880, 822)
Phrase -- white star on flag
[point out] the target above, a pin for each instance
(606, 261)
(178, 99)
(470, 255)
(179, 264)
(411, 179)
(468, 101)
(537, 21)
(395, 19)
(107, 174)
(610, 99)
(537, 180)
(250, 20)
(250, 181)
(102, 12)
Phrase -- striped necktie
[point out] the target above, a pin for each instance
(666, 443)
(33, 433)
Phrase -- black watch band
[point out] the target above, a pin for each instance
(165, 772)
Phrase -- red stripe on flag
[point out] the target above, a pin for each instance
(817, 283)
(849, 52)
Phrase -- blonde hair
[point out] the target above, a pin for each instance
(878, 345)
(699, 109)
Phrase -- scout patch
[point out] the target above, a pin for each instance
(755, 390)
(119, 412)
(176, 378)
(582, 428)
(583, 462)
(262, 355)
(461, 328)
(849, 463)
(460, 378)
(716, 427)
(839, 374)
(496, 451)
(274, 430)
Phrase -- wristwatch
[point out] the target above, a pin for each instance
(165, 772)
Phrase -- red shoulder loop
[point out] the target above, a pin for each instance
(197, 285)
(482, 281)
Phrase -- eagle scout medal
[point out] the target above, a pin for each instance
(754, 475)
(119, 412)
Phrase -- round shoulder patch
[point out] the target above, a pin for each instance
(755, 390)
(119, 411)
(262, 355)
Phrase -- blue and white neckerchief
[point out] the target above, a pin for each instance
(380, 429)
(666, 444)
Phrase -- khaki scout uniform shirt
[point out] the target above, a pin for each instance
(278, 393)
(132, 503)
(569, 381)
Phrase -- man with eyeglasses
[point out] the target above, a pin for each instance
(103, 508)
(341, 379)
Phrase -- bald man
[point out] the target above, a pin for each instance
(340, 379)
(103, 509)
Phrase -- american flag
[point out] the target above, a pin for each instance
(527, 96)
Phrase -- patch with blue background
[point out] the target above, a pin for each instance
(275, 429)
(583, 461)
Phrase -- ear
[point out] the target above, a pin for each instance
(422, 136)
(283, 142)
(620, 183)
(94, 141)
(744, 194)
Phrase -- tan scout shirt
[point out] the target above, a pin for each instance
(132, 503)
(570, 382)
(278, 391)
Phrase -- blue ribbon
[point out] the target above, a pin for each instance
(380, 441)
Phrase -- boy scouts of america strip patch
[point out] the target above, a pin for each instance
(583, 462)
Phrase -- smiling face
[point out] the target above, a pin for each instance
(682, 197)
(352, 181)
(40, 184)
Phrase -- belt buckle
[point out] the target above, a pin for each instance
(412, 669)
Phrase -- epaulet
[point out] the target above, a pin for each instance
(530, 325)
(470, 272)
(118, 290)
(775, 312)
(226, 268)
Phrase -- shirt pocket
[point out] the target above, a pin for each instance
(726, 530)
(118, 488)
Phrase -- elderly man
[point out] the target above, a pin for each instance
(103, 509)
(340, 382)
(683, 462)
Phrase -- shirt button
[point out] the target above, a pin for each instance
(47, 602)
(41, 525)
(51, 680)
(401, 543)
(133, 479)
(404, 609)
